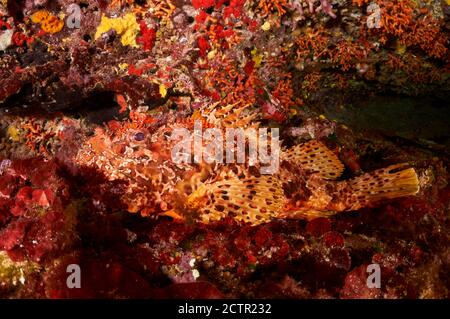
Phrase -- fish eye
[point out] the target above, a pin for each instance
(139, 136)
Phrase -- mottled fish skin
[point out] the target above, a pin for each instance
(259, 199)
(141, 157)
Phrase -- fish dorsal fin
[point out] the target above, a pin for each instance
(387, 183)
(252, 199)
(315, 157)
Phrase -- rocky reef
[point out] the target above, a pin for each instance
(90, 90)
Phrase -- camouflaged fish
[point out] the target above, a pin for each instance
(305, 186)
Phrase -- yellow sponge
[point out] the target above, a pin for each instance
(126, 26)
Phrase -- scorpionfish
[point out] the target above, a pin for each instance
(307, 184)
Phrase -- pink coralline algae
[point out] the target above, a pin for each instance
(356, 287)
(88, 122)
(34, 217)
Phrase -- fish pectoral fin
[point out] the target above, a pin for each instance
(253, 200)
(315, 157)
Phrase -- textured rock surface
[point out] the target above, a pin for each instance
(295, 63)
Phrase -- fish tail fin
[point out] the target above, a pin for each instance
(387, 183)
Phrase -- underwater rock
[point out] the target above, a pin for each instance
(91, 93)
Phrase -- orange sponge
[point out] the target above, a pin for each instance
(49, 23)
